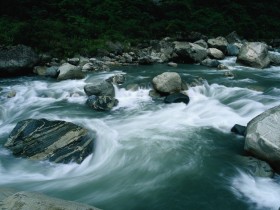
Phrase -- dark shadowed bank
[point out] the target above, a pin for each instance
(71, 26)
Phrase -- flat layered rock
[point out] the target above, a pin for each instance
(56, 141)
(32, 200)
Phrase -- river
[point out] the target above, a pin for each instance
(149, 155)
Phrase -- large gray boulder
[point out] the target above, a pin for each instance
(254, 54)
(17, 60)
(263, 136)
(35, 200)
(69, 71)
(219, 43)
(274, 58)
(101, 88)
(167, 83)
(187, 52)
(56, 141)
(232, 50)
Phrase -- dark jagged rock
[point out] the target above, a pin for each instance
(56, 141)
(177, 98)
(274, 58)
(185, 52)
(212, 63)
(238, 129)
(219, 43)
(102, 103)
(17, 60)
(146, 60)
(233, 37)
(101, 88)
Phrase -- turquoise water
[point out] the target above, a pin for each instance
(149, 155)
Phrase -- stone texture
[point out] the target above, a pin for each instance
(212, 63)
(100, 88)
(238, 129)
(167, 82)
(216, 54)
(17, 60)
(177, 98)
(35, 200)
(263, 137)
(254, 54)
(102, 103)
(186, 52)
(274, 58)
(56, 141)
(219, 43)
(69, 71)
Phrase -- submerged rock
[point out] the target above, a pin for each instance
(56, 141)
(257, 167)
(35, 200)
(167, 82)
(274, 58)
(17, 60)
(102, 103)
(11, 94)
(100, 88)
(177, 98)
(212, 63)
(254, 54)
(238, 129)
(263, 137)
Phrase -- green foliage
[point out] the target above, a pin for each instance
(66, 27)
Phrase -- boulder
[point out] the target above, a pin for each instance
(102, 103)
(167, 82)
(212, 63)
(35, 200)
(263, 137)
(56, 141)
(186, 52)
(145, 60)
(52, 72)
(117, 79)
(257, 167)
(69, 71)
(40, 70)
(201, 43)
(254, 54)
(88, 67)
(215, 53)
(232, 50)
(17, 60)
(238, 129)
(101, 88)
(274, 58)
(73, 61)
(177, 98)
(219, 43)
(222, 67)
(233, 37)
(172, 64)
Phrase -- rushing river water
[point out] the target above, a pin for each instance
(149, 155)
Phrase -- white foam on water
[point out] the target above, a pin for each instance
(262, 193)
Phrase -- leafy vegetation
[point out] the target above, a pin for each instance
(66, 27)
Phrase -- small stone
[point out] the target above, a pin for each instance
(172, 64)
(11, 94)
(229, 74)
(222, 67)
